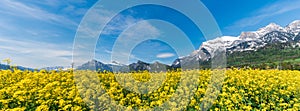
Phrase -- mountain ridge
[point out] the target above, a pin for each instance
(249, 41)
(246, 41)
(6, 67)
(133, 67)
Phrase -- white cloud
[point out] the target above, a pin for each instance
(35, 54)
(41, 54)
(19, 42)
(266, 12)
(131, 37)
(18, 9)
(138, 33)
(165, 55)
(134, 31)
(107, 51)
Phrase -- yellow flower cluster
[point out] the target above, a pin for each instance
(26, 90)
(260, 90)
(59, 90)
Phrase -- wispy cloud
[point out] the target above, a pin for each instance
(165, 55)
(132, 37)
(19, 9)
(134, 31)
(107, 51)
(139, 32)
(266, 12)
(39, 33)
(34, 54)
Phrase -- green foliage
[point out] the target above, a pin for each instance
(275, 56)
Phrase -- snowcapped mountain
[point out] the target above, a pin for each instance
(225, 41)
(246, 41)
(293, 27)
(270, 28)
(116, 63)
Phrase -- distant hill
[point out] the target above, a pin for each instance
(116, 67)
(5, 67)
(57, 68)
(152, 67)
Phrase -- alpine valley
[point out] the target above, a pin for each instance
(271, 46)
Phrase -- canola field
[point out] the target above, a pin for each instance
(244, 89)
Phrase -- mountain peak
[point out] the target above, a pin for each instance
(157, 63)
(295, 22)
(248, 35)
(272, 24)
(293, 27)
(140, 62)
(246, 41)
(270, 28)
(223, 39)
(117, 63)
(93, 60)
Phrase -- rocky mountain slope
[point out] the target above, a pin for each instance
(246, 41)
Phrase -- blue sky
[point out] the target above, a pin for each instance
(40, 33)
